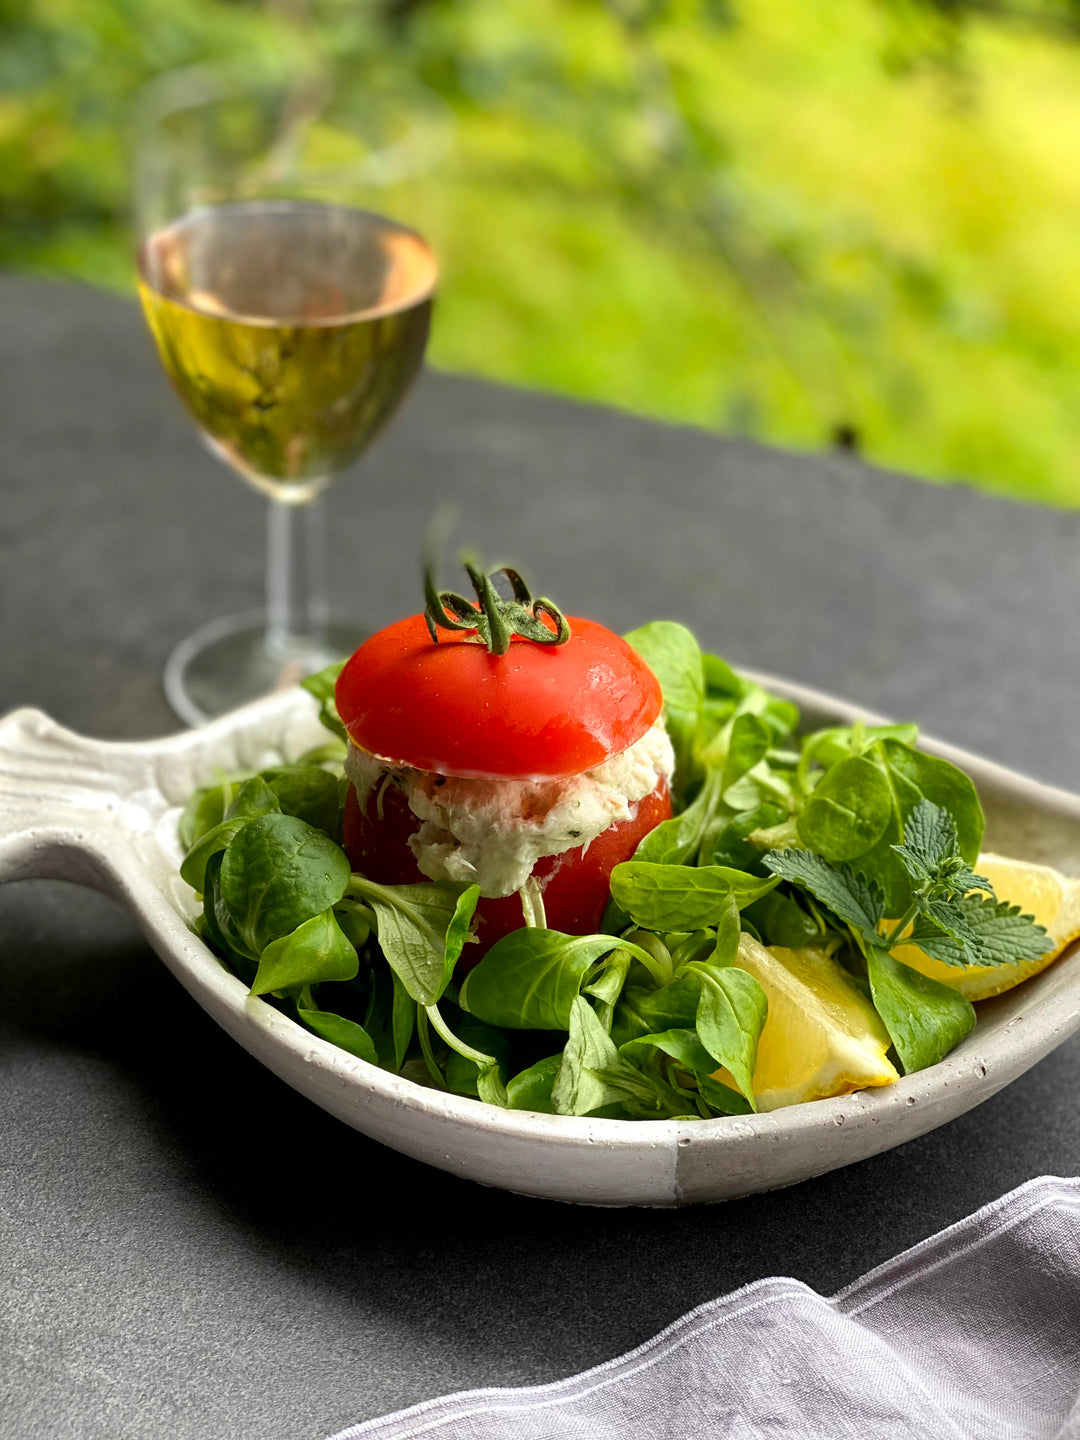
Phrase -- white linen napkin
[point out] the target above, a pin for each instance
(972, 1335)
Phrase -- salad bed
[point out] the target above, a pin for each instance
(770, 917)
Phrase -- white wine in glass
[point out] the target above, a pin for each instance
(290, 322)
(291, 330)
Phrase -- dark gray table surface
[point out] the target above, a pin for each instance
(186, 1246)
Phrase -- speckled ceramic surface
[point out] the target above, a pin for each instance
(105, 814)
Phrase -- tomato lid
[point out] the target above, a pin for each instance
(535, 712)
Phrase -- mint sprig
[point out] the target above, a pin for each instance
(946, 918)
(1005, 936)
(930, 854)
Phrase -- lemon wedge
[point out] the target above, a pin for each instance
(1054, 901)
(821, 1037)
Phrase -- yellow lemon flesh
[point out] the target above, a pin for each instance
(1053, 900)
(821, 1037)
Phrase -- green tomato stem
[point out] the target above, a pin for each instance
(493, 620)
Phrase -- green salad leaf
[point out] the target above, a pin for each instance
(681, 897)
(913, 776)
(581, 1085)
(315, 951)
(530, 979)
(684, 1046)
(531, 1088)
(276, 873)
(310, 793)
(214, 841)
(848, 811)
(674, 657)
(731, 1013)
(643, 1011)
(416, 926)
(322, 687)
(924, 1018)
(344, 1033)
(747, 746)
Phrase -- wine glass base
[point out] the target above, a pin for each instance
(226, 664)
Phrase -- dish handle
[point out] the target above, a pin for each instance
(68, 804)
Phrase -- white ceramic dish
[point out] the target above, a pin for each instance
(105, 814)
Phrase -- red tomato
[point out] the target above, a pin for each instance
(574, 884)
(539, 711)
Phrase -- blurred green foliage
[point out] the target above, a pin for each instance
(846, 225)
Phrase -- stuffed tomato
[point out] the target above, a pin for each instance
(518, 750)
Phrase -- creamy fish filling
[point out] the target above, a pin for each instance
(492, 832)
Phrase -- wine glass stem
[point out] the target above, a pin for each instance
(296, 603)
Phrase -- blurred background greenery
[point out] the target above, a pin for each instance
(846, 226)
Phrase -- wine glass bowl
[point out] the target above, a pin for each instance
(290, 329)
(291, 315)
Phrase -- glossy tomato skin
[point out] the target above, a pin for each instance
(574, 884)
(536, 712)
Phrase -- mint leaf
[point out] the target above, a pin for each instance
(914, 776)
(965, 879)
(850, 897)
(938, 944)
(929, 838)
(949, 918)
(930, 853)
(1005, 936)
(1005, 933)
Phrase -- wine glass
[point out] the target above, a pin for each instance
(291, 316)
